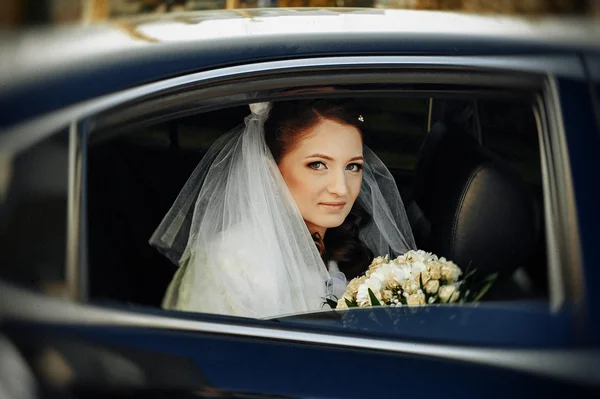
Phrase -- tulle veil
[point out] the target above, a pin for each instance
(239, 239)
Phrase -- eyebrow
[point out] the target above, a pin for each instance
(358, 158)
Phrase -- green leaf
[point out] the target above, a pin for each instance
(331, 303)
(374, 300)
(469, 274)
(350, 304)
(487, 283)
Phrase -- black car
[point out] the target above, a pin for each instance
(501, 113)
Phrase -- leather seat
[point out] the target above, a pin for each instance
(471, 207)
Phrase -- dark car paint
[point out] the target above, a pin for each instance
(583, 142)
(269, 367)
(79, 78)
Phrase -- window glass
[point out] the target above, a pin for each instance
(509, 131)
(135, 177)
(33, 216)
(395, 130)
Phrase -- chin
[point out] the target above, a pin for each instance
(331, 223)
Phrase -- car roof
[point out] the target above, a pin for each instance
(75, 63)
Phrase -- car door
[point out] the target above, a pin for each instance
(78, 346)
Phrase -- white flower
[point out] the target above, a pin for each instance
(418, 267)
(448, 293)
(376, 263)
(382, 273)
(375, 284)
(420, 256)
(450, 272)
(432, 258)
(391, 283)
(402, 273)
(401, 261)
(380, 260)
(415, 276)
(410, 286)
(455, 296)
(387, 295)
(432, 286)
(415, 299)
(353, 285)
(424, 276)
(362, 296)
(341, 304)
(434, 269)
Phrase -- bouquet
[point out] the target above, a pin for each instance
(415, 278)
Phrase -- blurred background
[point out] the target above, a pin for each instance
(16, 13)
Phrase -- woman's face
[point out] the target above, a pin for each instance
(323, 172)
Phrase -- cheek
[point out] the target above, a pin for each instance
(354, 187)
(300, 183)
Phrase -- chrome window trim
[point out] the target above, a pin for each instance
(385, 81)
(76, 270)
(576, 365)
(72, 274)
(566, 270)
(555, 287)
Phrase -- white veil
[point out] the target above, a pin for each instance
(240, 241)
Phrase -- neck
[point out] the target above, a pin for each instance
(318, 235)
(314, 229)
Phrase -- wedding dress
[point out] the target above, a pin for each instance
(239, 239)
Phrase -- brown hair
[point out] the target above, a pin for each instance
(287, 123)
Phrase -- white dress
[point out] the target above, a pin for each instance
(237, 283)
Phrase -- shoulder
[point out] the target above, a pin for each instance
(239, 255)
(236, 241)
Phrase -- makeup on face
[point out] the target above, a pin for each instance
(324, 172)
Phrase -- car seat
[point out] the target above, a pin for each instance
(471, 207)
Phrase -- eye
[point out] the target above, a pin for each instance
(354, 167)
(318, 165)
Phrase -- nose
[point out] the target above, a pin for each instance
(337, 184)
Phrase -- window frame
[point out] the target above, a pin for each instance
(220, 89)
(86, 120)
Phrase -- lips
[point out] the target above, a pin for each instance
(333, 205)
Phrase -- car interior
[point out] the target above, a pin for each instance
(465, 201)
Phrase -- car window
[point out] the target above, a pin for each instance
(508, 131)
(33, 216)
(150, 165)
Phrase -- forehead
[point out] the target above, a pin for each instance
(330, 138)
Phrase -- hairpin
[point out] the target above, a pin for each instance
(360, 118)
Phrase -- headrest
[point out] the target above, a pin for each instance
(479, 212)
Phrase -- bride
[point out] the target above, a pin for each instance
(280, 212)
